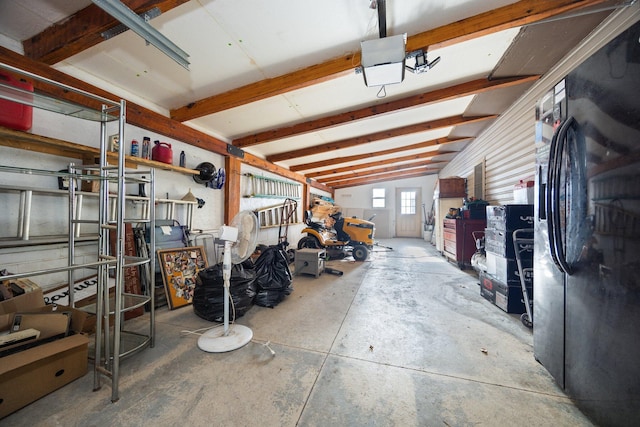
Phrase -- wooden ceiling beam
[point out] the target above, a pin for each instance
(369, 172)
(356, 157)
(138, 115)
(82, 30)
(377, 136)
(520, 13)
(386, 177)
(352, 168)
(438, 95)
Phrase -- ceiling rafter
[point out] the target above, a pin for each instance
(438, 95)
(377, 136)
(371, 172)
(520, 13)
(83, 30)
(339, 160)
(382, 178)
(352, 168)
(138, 115)
(465, 29)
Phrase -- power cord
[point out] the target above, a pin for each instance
(265, 344)
(201, 331)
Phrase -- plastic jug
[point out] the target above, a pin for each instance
(162, 152)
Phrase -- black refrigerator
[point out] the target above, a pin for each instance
(586, 310)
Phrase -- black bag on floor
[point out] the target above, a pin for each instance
(208, 294)
(273, 277)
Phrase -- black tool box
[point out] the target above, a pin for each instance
(507, 297)
(502, 221)
(506, 269)
(509, 217)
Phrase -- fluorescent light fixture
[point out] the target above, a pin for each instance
(383, 60)
(139, 26)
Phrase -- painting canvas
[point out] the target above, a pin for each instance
(179, 268)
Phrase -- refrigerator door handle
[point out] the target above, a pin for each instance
(550, 188)
(560, 255)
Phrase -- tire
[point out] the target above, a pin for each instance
(309, 242)
(524, 318)
(360, 253)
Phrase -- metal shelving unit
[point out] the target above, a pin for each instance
(23, 235)
(112, 341)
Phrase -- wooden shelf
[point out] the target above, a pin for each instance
(160, 165)
(43, 144)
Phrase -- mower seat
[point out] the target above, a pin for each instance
(308, 219)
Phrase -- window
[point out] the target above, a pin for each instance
(378, 198)
(478, 180)
(408, 203)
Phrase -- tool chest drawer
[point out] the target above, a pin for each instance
(459, 242)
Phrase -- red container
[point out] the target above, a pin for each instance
(13, 115)
(162, 152)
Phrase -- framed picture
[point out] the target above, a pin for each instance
(179, 268)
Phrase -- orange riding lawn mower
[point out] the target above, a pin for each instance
(328, 229)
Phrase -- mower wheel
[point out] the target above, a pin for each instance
(309, 242)
(360, 253)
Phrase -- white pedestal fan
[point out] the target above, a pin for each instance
(239, 243)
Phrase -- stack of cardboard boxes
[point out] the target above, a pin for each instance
(31, 368)
(501, 283)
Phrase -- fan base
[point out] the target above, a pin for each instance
(214, 340)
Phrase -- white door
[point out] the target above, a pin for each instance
(408, 220)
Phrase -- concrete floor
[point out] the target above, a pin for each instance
(403, 339)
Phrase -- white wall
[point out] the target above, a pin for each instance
(355, 200)
(50, 213)
(269, 236)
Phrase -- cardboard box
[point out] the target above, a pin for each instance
(33, 302)
(486, 288)
(33, 373)
(507, 297)
(90, 185)
(15, 287)
(450, 187)
(509, 217)
(523, 192)
(500, 243)
(506, 269)
(26, 302)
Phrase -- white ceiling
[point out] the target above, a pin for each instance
(236, 43)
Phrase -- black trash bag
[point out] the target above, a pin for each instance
(273, 277)
(270, 297)
(208, 294)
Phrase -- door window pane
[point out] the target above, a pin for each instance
(408, 203)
